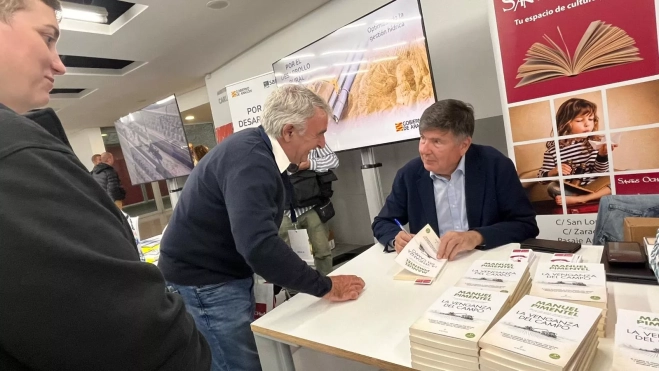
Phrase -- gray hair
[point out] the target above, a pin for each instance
(291, 104)
(9, 7)
(449, 115)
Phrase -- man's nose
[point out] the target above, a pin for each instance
(57, 65)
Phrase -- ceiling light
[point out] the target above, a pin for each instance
(217, 4)
(85, 13)
(189, 118)
(104, 135)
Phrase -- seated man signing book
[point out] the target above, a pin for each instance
(470, 194)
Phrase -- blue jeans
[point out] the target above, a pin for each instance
(614, 209)
(223, 313)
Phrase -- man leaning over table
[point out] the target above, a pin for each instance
(225, 227)
(470, 194)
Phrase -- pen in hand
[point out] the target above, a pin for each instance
(434, 252)
(401, 227)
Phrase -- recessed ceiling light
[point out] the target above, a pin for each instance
(217, 4)
(86, 13)
(189, 117)
(104, 135)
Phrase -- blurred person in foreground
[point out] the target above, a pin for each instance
(74, 294)
(225, 227)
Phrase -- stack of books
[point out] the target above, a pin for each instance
(523, 255)
(542, 334)
(446, 336)
(512, 278)
(637, 341)
(581, 283)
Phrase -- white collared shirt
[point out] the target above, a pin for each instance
(280, 156)
(450, 202)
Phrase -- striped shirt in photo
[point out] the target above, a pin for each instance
(577, 152)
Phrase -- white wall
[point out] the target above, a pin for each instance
(192, 99)
(86, 143)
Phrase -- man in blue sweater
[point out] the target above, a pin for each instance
(469, 194)
(225, 227)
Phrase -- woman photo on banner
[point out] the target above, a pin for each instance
(581, 155)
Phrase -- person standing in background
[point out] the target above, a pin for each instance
(74, 294)
(320, 160)
(96, 159)
(106, 176)
(198, 152)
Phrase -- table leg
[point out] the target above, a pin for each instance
(275, 356)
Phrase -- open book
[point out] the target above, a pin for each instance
(602, 45)
(419, 258)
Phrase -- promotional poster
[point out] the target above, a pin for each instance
(579, 82)
(246, 100)
(373, 72)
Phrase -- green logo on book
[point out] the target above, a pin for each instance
(506, 291)
(427, 230)
(470, 335)
(554, 356)
(595, 297)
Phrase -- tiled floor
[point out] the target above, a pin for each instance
(153, 225)
(147, 207)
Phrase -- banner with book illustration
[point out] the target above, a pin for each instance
(579, 82)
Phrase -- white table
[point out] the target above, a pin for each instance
(374, 329)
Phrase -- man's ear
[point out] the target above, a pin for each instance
(464, 146)
(287, 132)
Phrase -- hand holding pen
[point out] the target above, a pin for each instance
(402, 238)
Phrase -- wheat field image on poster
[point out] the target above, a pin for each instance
(374, 73)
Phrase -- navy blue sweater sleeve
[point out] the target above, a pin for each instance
(384, 227)
(517, 214)
(250, 189)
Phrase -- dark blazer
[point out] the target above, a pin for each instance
(497, 205)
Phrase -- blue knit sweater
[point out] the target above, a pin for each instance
(226, 223)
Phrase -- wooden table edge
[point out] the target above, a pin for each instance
(289, 339)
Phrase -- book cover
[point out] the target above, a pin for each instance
(419, 256)
(550, 331)
(570, 281)
(554, 47)
(462, 313)
(636, 341)
(502, 276)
